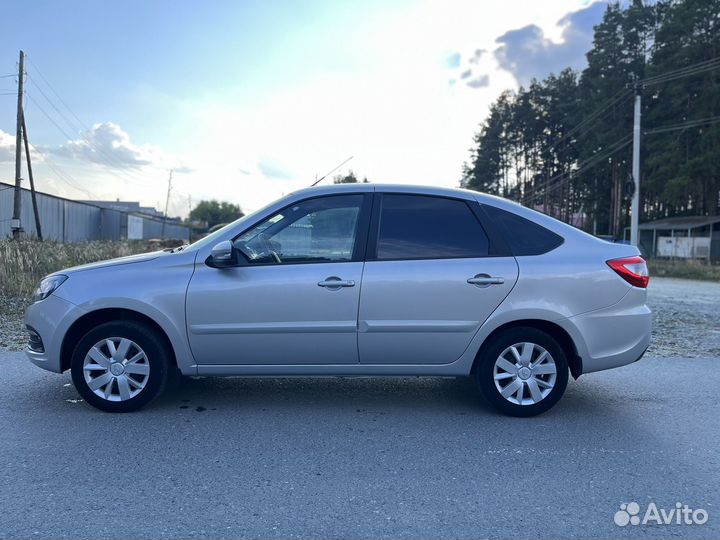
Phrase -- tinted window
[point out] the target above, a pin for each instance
(417, 227)
(522, 235)
(318, 230)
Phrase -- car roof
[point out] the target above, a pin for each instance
(417, 189)
(390, 188)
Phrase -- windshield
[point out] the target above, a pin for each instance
(212, 238)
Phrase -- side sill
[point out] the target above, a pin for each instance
(455, 369)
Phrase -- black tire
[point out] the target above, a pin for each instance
(484, 373)
(156, 354)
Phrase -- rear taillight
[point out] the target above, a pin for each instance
(634, 270)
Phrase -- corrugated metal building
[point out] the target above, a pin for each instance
(66, 220)
(683, 237)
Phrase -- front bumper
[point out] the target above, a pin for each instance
(50, 318)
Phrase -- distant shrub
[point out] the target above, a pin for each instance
(684, 269)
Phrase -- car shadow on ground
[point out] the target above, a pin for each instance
(318, 395)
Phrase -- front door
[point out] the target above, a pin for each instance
(430, 280)
(295, 298)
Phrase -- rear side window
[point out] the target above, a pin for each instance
(523, 236)
(421, 227)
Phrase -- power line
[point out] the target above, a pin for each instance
(592, 160)
(683, 75)
(61, 174)
(582, 167)
(697, 65)
(72, 126)
(70, 137)
(62, 115)
(58, 126)
(617, 98)
(104, 157)
(52, 89)
(8, 75)
(694, 69)
(687, 71)
(684, 125)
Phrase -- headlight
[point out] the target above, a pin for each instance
(47, 287)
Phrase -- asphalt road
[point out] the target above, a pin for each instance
(359, 458)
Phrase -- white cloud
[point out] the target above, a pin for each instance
(102, 163)
(107, 144)
(7, 147)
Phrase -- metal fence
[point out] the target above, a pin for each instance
(65, 220)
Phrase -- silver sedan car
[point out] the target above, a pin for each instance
(353, 280)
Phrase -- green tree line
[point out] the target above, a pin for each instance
(564, 144)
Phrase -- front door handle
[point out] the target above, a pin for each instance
(484, 280)
(335, 283)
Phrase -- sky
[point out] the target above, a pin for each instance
(249, 100)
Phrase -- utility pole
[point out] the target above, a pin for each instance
(16, 224)
(635, 205)
(38, 229)
(167, 201)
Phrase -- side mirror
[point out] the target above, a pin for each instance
(223, 255)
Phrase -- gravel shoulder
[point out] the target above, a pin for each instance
(686, 319)
(12, 327)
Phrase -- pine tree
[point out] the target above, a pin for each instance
(562, 144)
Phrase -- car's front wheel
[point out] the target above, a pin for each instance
(120, 366)
(523, 372)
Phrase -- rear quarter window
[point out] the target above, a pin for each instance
(523, 237)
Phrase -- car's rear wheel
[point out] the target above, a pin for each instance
(523, 372)
(120, 366)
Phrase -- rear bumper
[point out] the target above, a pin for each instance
(50, 318)
(613, 336)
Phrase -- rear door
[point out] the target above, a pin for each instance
(431, 278)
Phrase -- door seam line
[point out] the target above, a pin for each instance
(357, 317)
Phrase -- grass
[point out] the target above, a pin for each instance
(684, 269)
(24, 263)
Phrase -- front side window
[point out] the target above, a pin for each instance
(317, 230)
(422, 227)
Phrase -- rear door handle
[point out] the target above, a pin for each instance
(483, 280)
(335, 283)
